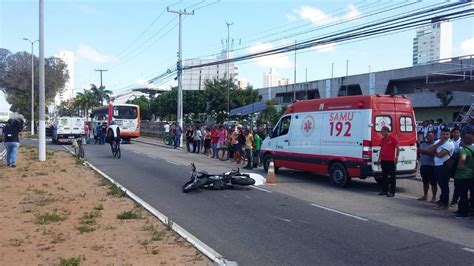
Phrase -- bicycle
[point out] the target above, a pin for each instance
(168, 140)
(79, 147)
(223, 153)
(116, 149)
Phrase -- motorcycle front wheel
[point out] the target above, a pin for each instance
(194, 184)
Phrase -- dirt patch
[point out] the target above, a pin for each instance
(61, 212)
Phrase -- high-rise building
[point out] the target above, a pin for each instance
(433, 42)
(193, 79)
(283, 81)
(68, 90)
(270, 79)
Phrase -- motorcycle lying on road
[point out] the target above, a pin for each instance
(202, 179)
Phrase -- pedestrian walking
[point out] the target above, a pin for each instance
(426, 160)
(463, 178)
(12, 133)
(388, 160)
(97, 133)
(443, 149)
(87, 132)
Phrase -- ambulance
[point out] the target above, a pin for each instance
(341, 137)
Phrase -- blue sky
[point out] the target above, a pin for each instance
(100, 33)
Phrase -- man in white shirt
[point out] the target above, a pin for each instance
(167, 129)
(443, 149)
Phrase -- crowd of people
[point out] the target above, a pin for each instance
(241, 146)
(444, 154)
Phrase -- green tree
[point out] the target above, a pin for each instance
(15, 79)
(101, 94)
(445, 97)
(145, 107)
(165, 105)
(84, 101)
(269, 116)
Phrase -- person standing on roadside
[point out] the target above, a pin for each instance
(12, 132)
(189, 138)
(197, 140)
(258, 144)
(427, 168)
(166, 130)
(249, 147)
(214, 141)
(103, 130)
(443, 149)
(388, 160)
(463, 178)
(456, 139)
(178, 131)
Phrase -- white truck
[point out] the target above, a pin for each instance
(68, 128)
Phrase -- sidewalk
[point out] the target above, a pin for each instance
(411, 187)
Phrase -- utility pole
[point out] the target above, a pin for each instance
(32, 86)
(101, 70)
(306, 81)
(332, 70)
(180, 68)
(227, 55)
(294, 78)
(42, 127)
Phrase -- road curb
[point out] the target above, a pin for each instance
(155, 144)
(209, 252)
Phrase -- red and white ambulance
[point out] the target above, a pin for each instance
(341, 137)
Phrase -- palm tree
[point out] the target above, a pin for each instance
(85, 101)
(100, 94)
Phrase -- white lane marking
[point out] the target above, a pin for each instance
(340, 212)
(468, 249)
(281, 219)
(136, 152)
(175, 163)
(153, 157)
(262, 189)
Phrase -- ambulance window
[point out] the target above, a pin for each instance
(285, 125)
(383, 121)
(406, 124)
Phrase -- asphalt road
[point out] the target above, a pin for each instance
(256, 227)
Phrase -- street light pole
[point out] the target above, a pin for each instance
(32, 86)
(180, 69)
(42, 126)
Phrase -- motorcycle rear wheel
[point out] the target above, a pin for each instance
(242, 180)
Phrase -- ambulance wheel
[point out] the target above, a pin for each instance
(338, 175)
(266, 163)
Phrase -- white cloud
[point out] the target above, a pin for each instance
(276, 61)
(88, 53)
(467, 46)
(315, 15)
(319, 17)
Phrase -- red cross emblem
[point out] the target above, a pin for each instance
(308, 126)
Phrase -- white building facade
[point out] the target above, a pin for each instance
(194, 79)
(68, 92)
(270, 79)
(433, 42)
